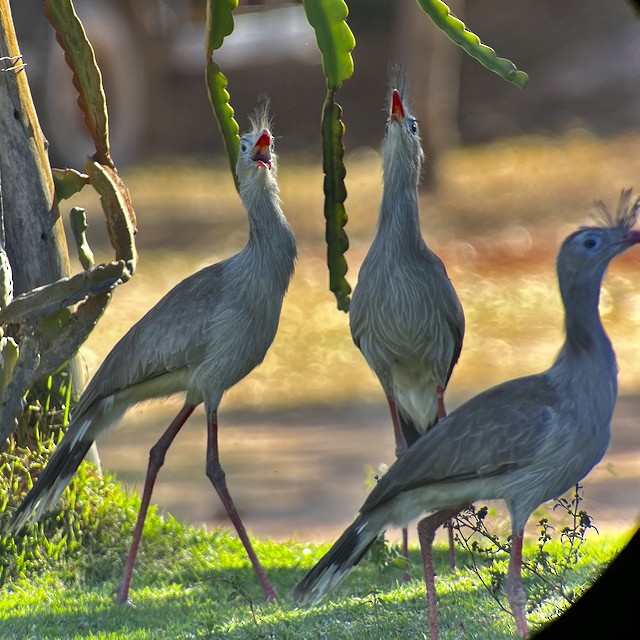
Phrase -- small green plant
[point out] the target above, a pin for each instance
(547, 571)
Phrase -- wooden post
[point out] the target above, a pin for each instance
(35, 240)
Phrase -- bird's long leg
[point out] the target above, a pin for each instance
(513, 585)
(156, 460)
(401, 449)
(401, 443)
(215, 473)
(448, 525)
(426, 534)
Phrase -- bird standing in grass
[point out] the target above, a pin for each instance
(405, 315)
(525, 441)
(204, 336)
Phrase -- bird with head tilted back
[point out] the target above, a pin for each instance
(405, 315)
(525, 441)
(200, 339)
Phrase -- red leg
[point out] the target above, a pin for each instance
(401, 443)
(401, 449)
(452, 550)
(441, 410)
(156, 460)
(215, 473)
(513, 586)
(426, 534)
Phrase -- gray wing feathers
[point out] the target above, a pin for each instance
(507, 416)
(158, 343)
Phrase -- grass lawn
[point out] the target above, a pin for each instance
(192, 583)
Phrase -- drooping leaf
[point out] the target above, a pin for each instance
(118, 210)
(335, 39)
(219, 26)
(219, 99)
(219, 23)
(455, 29)
(335, 194)
(87, 78)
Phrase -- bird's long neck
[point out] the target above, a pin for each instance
(399, 219)
(587, 357)
(270, 237)
(583, 326)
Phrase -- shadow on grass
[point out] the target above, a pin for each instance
(214, 604)
(189, 597)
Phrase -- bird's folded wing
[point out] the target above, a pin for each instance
(169, 337)
(501, 429)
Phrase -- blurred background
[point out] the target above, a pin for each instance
(509, 174)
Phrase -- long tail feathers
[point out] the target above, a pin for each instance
(56, 476)
(335, 565)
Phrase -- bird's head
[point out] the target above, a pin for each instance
(586, 253)
(256, 156)
(401, 142)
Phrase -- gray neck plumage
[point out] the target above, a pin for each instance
(398, 219)
(587, 354)
(271, 246)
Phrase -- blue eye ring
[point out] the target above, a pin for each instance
(590, 242)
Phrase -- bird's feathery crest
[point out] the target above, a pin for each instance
(398, 80)
(627, 214)
(260, 119)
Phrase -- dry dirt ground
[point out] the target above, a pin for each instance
(302, 472)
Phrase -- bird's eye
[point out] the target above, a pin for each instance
(243, 147)
(386, 126)
(590, 242)
(413, 126)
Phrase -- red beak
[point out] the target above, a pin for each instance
(397, 110)
(262, 150)
(634, 237)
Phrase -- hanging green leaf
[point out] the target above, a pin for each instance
(219, 23)
(335, 194)
(219, 99)
(87, 78)
(442, 17)
(219, 26)
(335, 39)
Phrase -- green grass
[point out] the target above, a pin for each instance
(193, 583)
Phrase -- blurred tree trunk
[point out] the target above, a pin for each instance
(433, 65)
(35, 240)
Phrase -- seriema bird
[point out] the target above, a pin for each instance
(525, 441)
(205, 335)
(405, 315)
